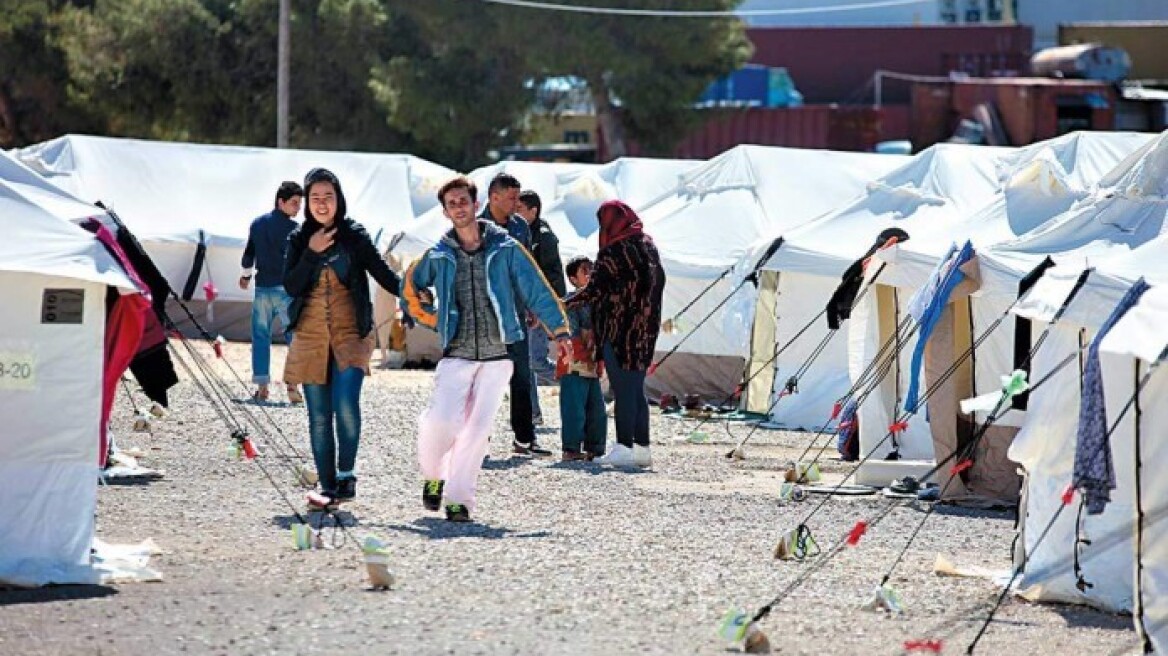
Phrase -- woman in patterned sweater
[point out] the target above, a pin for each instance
(625, 295)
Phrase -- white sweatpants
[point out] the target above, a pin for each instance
(456, 428)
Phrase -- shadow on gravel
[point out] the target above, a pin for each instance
(130, 481)
(514, 462)
(1079, 617)
(974, 513)
(266, 404)
(596, 469)
(440, 529)
(318, 519)
(53, 593)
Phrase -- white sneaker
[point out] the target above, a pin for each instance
(619, 456)
(641, 457)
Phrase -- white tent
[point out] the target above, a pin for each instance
(542, 177)
(1039, 183)
(936, 188)
(635, 180)
(174, 195)
(707, 224)
(1118, 229)
(1138, 340)
(53, 282)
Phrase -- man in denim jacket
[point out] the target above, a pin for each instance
(267, 242)
(482, 278)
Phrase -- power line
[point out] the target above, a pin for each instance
(679, 13)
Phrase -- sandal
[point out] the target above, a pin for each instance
(260, 395)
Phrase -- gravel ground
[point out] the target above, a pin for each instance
(562, 559)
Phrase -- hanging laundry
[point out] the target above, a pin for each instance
(151, 366)
(926, 308)
(839, 307)
(1094, 472)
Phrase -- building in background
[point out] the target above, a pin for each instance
(1046, 15)
(914, 74)
(923, 12)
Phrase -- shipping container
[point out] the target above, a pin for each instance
(1027, 110)
(836, 64)
(812, 126)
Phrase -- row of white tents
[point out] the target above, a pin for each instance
(704, 215)
(1085, 200)
(1090, 202)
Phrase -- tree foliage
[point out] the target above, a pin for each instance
(445, 79)
(645, 71)
(34, 102)
(459, 84)
(205, 70)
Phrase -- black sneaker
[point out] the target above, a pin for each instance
(532, 449)
(456, 512)
(432, 494)
(346, 490)
(906, 485)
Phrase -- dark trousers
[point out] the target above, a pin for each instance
(521, 382)
(632, 408)
(582, 417)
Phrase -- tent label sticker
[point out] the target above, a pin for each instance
(17, 370)
(62, 305)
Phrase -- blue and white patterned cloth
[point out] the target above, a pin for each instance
(1094, 472)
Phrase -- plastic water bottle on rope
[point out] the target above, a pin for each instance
(376, 554)
(736, 627)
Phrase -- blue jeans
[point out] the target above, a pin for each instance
(340, 398)
(582, 417)
(270, 303)
(631, 413)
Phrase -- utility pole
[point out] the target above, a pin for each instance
(283, 55)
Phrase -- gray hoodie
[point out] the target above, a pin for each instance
(477, 337)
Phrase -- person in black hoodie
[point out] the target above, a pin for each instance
(545, 248)
(328, 259)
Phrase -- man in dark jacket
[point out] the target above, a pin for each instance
(545, 248)
(267, 243)
(502, 201)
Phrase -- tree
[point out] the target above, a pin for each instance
(205, 70)
(644, 73)
(34, 104)
(458, 85)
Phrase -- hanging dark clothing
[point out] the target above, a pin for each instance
(151, 365)
(839, 307)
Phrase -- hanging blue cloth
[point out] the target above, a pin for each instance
(1094, 472)
(927, 306)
